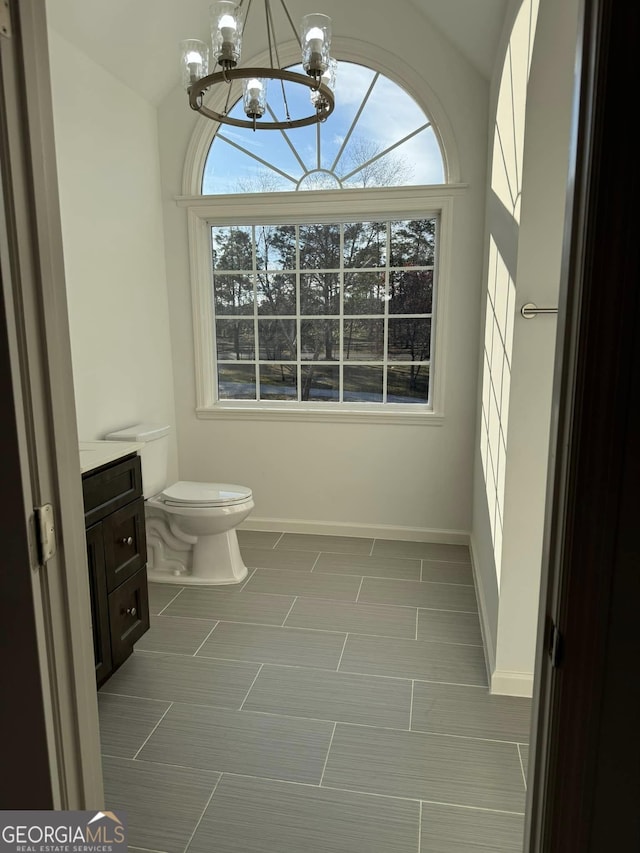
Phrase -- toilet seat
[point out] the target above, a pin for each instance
(189, 493)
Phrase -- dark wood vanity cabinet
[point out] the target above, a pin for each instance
(117, 557)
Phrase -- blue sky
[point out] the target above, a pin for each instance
(389, 115)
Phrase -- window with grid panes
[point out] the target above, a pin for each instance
(332, 313)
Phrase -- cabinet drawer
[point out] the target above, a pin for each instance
(128, 615)
(125, 543)
(106, 490)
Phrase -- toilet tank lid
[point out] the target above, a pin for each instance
(139, 432)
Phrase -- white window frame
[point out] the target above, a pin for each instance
(313, 207)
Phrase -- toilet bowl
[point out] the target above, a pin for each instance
(190, 526)
(203, 516)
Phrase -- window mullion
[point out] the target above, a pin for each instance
(298, 312)
(256, 341)
(387, 297)
(341, 302)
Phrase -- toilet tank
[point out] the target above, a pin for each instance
(154, 455)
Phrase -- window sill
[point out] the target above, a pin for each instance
(241, 413)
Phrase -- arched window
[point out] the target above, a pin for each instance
(322, 305)
(377, 136)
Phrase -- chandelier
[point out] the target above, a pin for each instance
(227, 25)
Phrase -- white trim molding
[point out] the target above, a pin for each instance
(345, 416)
(485, 629)
(501, 682)
(505, 683)
(328, 205)
(347, 50)
(365, 531)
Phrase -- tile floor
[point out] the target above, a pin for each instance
(335, 702)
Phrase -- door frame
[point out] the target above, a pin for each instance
(62, 725)
(586, 744)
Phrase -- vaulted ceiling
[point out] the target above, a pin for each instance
(136, 40)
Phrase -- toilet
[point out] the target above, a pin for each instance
(190, 526)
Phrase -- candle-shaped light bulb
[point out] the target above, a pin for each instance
(315, 39)
(194, 61)
(328, 79)
(226, 33)
(255, 97)
(194, 64)
(316, 43)
(228, 27)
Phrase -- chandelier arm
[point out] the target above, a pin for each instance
(293, 26)
(271, 24)
(270, 32)
(226, 103)
(200, 86)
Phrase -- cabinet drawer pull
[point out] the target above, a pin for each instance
(127, 541)
(131, 611)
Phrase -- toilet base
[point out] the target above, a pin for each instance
(216, 560)
(156, 576)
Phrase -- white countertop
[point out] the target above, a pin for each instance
(93, 454)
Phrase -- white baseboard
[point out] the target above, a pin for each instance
(501, 682)
(341, 528)
(512, 684)
(489, 651)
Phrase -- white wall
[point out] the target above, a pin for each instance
(108, 170)
(413, 477)
(545, 176)
(528, 235)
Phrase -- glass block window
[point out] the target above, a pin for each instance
(335, 314)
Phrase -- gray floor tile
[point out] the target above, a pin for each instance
(266, 644)
(373, 567)
(410, 659)
(443, 626)
(524, 755)
(143, 850)
(163, 804)
(437, 596)
(461, 771)
(160, 594)
(175, 634)
(264, 558)
(450, 829)
(241, 742)
(231, 606)
(421, 550)
(177, 678)
(257, 538)
(378, 619)
(440, 571)
(126, 722)
(255, 816)
(470, 711)
(305, 584)
(332, 544)
(331, 696)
